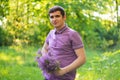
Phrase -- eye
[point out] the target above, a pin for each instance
(57, 16)
(51, 16)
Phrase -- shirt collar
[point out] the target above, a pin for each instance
(61, 30)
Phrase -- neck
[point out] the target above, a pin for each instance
(59, 28)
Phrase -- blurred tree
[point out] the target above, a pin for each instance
(27, 21)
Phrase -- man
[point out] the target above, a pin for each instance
(65, 45)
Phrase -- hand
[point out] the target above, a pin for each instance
(60, 72)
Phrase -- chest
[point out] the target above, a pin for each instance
(60, 41)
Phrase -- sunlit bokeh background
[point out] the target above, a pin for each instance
(24, 25)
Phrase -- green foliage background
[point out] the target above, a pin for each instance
(24, 25)
(27, 21)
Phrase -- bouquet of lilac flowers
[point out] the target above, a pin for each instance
(47, 63)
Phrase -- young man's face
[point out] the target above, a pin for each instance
(57, 20)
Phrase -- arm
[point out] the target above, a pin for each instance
(46, 44)
(44, 48)
(81, 58)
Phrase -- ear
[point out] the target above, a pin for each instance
(64, 17)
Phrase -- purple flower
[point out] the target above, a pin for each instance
(48, 64)
(39, 52)
(38, 55)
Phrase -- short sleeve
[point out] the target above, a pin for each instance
(76, 40)
(48, 37)
(50, 34)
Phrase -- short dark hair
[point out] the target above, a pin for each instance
(57, 8)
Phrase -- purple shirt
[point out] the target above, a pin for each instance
(62, 45)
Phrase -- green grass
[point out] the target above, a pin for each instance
(18, 63)
(100, 66)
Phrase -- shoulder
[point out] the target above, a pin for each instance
(51, 32)
(72, 32)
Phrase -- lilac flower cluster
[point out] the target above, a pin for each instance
(38, 55)
(47, 63)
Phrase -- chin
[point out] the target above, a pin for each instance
(56, 26)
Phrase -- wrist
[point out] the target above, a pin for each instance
(65, 70)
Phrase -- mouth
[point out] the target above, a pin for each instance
(55, 23)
